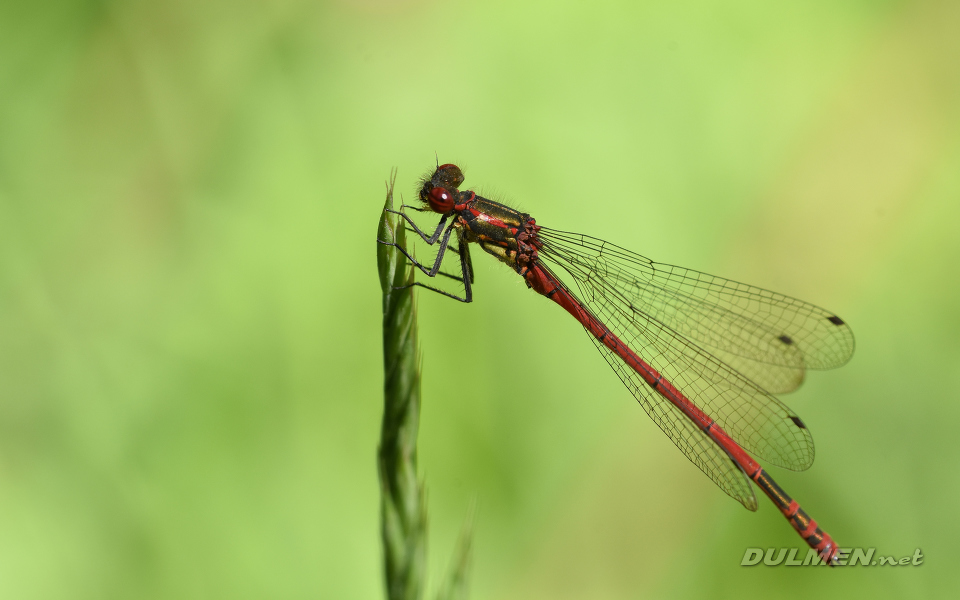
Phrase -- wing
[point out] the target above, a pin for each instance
(758, 421)
(692, 441)
(768, 337)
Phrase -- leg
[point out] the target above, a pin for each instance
(466, 255)
(464, 252)
(431, 239)
(465, 266)
(436, 265)
(450, 276)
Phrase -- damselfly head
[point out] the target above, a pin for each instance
(440, 190)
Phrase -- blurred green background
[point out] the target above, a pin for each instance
(190, 358)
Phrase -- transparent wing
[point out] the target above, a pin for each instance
(768, 337)
(758, 421)
(692, 441)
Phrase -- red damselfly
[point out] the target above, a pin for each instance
(703, 355)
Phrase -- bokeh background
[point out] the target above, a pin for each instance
(190, 358)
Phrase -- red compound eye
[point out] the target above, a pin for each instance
(440, 200)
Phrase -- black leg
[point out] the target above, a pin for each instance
(451, 276)
(436, 265)
(462, 249)
(464, 252)
(428, 239)
(466, 297)
(416, 208)
(465, 265)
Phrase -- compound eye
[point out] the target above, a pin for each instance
(440, 200)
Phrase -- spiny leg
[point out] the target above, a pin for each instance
(428, 239)
(464, 252)
(466, 267)
(450, 276)
(462, 249)
(457, 250)
(436, 265)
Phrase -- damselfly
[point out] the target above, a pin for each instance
(703, 355)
